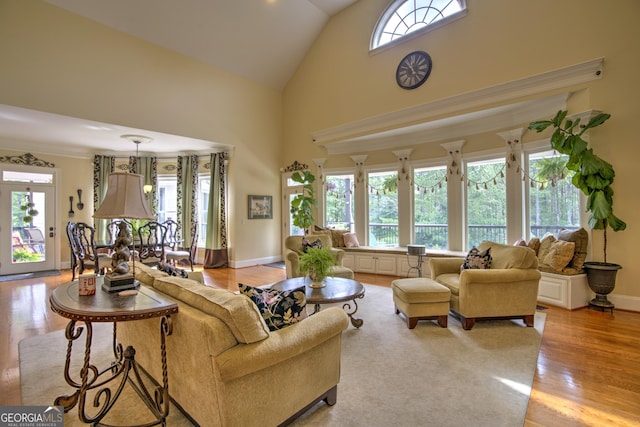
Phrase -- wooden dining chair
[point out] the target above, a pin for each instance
(73, 248)
(172, 242)
(185, 254)
(82, 241)
(151, 243)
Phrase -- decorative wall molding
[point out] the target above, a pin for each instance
(397, 128)
(27, 159)
(295, 166)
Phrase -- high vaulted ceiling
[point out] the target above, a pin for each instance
(261, 40)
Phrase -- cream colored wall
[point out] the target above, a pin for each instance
(68, 185)
(61, 63)
(340, 82)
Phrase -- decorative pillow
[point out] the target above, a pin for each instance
(173, 271)
(317, 244)
(545, 247)
(241, 316)
(560, 254)
(534, 244)
(477, 260)
(350, 240)
(520, 242)
(581, 239)
(337, 238)
(278, 309)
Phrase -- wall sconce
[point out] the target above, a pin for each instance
(147, 188)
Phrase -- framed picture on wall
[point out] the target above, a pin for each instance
(260, 207)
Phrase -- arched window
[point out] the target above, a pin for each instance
(404, 17)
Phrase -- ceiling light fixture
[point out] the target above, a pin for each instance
(140, 139)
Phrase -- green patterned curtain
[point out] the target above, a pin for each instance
(216, 254)
(103, 166)
(187, 194)
(148, 168)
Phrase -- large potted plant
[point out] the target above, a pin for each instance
(317, 263)
(594, 177)
(302, 204)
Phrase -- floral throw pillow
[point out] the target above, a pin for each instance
(278, 309)
(478, 260)
(317, 244)
(173, 271)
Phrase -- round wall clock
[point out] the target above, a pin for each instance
(413, 70)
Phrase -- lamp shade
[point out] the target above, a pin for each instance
(124, 199)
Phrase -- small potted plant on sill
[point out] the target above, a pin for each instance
(593, 176)
(317, 263)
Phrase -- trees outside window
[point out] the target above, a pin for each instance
(486, 202)
(430, 207)
(383, 208)
(554, 203)
(339, 202)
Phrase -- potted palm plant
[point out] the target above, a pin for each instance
(594, 177)
(302, 204)
(317, 263)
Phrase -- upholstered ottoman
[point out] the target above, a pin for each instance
(420, 298)
(339, 271)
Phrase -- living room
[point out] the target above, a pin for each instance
(59, 62)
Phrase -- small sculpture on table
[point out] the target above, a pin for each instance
(120, 278)
(121, 255)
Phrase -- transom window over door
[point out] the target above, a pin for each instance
(404, 17)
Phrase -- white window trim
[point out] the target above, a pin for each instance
(390, 10)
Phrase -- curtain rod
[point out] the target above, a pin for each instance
(168, 158)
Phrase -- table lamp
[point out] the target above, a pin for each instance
(125, 199)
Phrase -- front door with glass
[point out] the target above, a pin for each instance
(27, 222)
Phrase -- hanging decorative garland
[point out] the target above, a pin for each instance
(424, 189)
(533, 182)
(484, 185)
(454, 168)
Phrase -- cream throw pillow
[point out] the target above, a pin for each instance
(545, 247)
(560, 254)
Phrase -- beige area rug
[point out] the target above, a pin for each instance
(391, 375)
(42, 378)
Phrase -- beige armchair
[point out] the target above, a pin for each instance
(293, 250)
(508, 289)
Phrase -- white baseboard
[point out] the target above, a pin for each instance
(252, 262)
(625, 302)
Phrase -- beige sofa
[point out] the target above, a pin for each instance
(509, 288)
(225, 368)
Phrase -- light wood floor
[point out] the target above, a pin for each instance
(588, 371)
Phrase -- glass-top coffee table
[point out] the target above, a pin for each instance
(336, 290)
